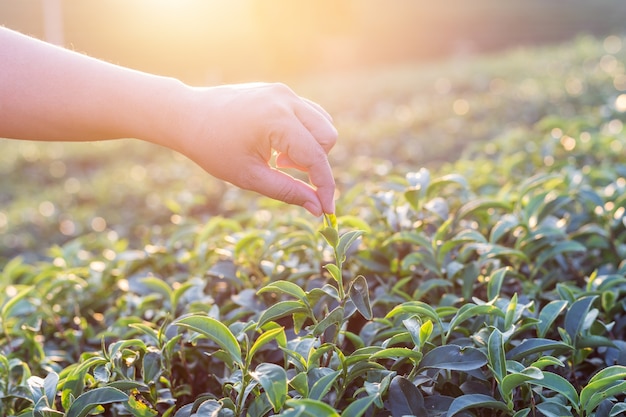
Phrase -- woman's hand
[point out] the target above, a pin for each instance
(232, 131)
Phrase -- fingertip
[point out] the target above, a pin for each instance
(313, 208)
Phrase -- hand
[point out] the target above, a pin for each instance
(237, 129)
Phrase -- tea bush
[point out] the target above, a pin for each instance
(489, 284)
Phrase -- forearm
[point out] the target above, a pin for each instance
(50, 93)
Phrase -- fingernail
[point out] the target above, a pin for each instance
(314, 209)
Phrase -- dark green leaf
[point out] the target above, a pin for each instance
(360, 296)
(405, 399)
(91, 399)
(575, 316)
(465, 402)
(530, 347)
(454, 358)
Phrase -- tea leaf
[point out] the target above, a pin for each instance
(215, 331)
(273, 379)
(465, 402)
(405, 398)
(280, 310)
(359, 407)
(96, 397)
(454, 358)
(321, 387)
(360, 296)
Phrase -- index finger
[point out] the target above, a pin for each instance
(301, 147)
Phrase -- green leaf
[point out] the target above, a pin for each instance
(529, 347)
(598, 395)
(397, 352)
(576, 315)
(334, 317)
(497, 359)
(454, 358)
(157, 285)
(465, 402)
(481, 204)
(359, 294)
(510, 312)
(413, 325)
(553, 409)
(91, 399)
(496, 279)
(273, 379)
(285, 287)
(139, 407)
(151, 368)
(405, 398)
(505, 224)
(556, 249)
(559, 385)
(215, 331)
(335, 272)
(281, 309)
(7, 309)
(321, 387)
(515, 379)
(313, 408)
(468, 311)
(359, 407)
(345, 241)
(602, 383)
(415, 307)
(548, 315)
(277, 334)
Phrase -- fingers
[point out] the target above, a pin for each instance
(318, 122)
(283, 187)
(300, 149)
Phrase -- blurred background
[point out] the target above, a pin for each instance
(210, 41)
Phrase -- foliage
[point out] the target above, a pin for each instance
(491, 285)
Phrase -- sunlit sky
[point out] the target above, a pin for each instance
(210, 41)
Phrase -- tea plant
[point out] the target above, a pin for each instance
(488, 285)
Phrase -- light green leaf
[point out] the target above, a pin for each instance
(514, 380)
(277, 334)
(398, 352)
(281, 309)
(313, 408)
(559, 385)
(273, 379)
(215, 331)
(335, 272)
(285, 287)
(359, 407)
(321, 387)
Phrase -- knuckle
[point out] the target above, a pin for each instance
(287, 193)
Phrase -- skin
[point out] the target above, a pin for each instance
(49, 93)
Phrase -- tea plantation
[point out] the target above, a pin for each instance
(476, 266)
